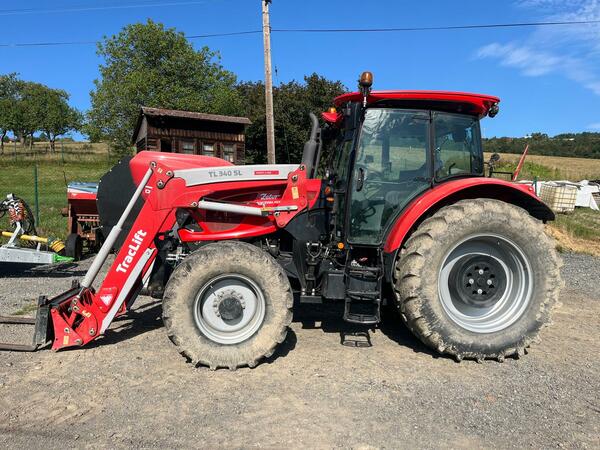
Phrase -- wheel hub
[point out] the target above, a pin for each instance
(229, 304)
(229, 309)
(485, 283)
(478, 280)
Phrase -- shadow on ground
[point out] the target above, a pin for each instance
(65, 270)
(329, 319)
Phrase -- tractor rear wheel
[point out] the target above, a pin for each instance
(478, 280)
(228, 304)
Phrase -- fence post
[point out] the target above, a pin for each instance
(62, 151)
(15, 149)
(36, 194)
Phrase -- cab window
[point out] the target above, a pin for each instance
(457, 147)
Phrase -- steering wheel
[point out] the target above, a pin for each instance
(367, 209)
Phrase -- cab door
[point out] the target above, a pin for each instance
(392, 166)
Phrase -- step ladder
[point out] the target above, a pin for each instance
(363, 295)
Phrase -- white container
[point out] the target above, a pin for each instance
(561, 198)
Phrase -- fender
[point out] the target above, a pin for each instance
(449, 192)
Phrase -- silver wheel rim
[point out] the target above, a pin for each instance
(474, 299)
(229, 309)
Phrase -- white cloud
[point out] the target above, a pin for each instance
(570, 51)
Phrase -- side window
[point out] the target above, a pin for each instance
(208, 149)
(229, 152)
(188, 147)
(457, 145)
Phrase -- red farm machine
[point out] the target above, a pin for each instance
(83, 222)
(401, 215)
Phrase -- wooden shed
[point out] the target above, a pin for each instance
(167, 130)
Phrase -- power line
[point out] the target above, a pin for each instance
(234, 33)
(337, 30)
(65, 43)
(437, 28)
(13, 12)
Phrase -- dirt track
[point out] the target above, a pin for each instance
(132, 389)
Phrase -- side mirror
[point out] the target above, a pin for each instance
(494, 158)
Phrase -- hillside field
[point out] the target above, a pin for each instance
(551, 167)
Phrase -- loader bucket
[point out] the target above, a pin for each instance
(40, 333)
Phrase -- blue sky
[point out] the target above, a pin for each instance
(548, 78)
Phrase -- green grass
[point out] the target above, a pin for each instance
(532, 170)
(53, 175)
(26, 310)
(583, 223)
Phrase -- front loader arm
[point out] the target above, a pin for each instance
(86, 315)
(81, 315)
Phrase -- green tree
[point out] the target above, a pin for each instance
(580, 145)
(58, 117)
(8, 100)
(292, 102)
(29, 110)
(150, 65)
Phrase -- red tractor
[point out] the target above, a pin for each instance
(401, 215)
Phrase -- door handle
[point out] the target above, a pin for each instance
(360, 180)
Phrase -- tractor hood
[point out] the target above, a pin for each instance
(174, 161)
(263, 185)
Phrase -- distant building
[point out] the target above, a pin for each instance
(167, 130)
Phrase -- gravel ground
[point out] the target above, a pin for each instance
(582, 273)
(132, 389)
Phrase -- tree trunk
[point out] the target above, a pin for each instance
(31, 142)
(52, 141)
(2, 142)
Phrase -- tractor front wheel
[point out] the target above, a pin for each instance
(228, 304)
(478, 280)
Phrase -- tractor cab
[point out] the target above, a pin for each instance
(388, 147)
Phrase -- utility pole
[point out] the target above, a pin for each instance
(268, 83)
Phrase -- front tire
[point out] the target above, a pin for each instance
(228, 304)
(478, 280)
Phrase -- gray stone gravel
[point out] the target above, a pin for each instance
(132, 390)
(582, 272)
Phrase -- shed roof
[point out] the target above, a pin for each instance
(177, 114)
(158, 112)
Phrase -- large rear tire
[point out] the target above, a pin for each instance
(478, 280)
(228, 304)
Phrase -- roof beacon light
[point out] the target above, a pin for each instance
(364, 85)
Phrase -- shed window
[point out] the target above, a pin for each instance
(229, 152)
(188, 147)
(208, 149)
